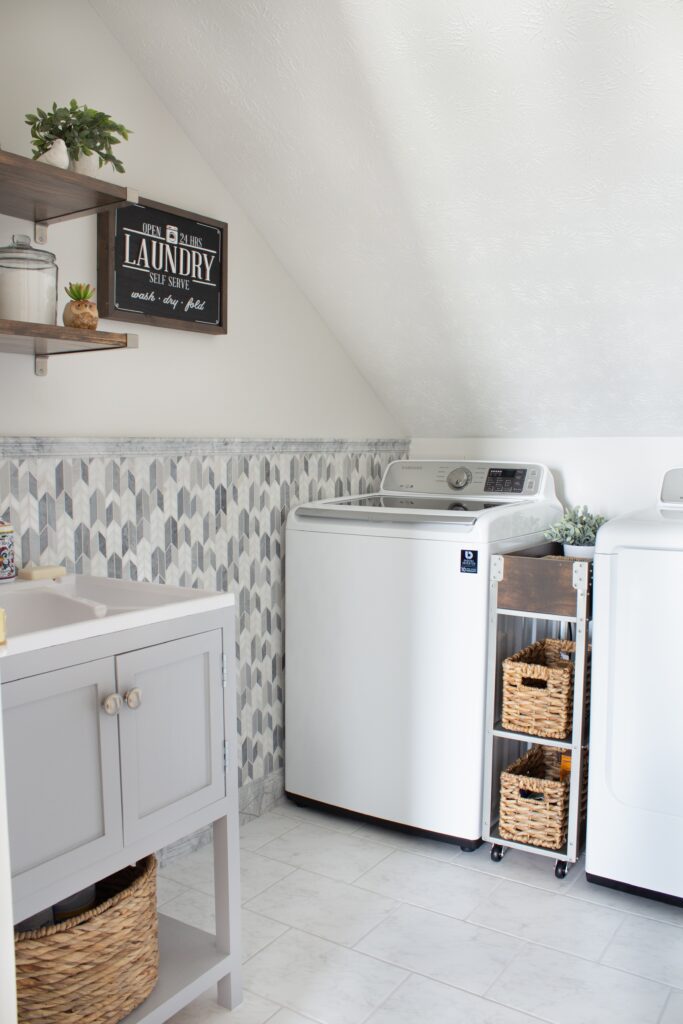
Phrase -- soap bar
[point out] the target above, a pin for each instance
(41, 572)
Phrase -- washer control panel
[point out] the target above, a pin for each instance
(465, 477)
(505, 480)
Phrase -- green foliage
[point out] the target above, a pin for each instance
(577, 526)
(80, 292)
(84, 131)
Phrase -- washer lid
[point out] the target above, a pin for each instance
(402, 508)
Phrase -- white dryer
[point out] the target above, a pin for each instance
(386, 623)
(635, 800)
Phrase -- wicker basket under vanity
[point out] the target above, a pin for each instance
(97, 967)
(538, 689)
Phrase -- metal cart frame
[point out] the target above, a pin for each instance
(516, 599)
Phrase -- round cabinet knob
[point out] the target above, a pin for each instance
(459, 478)
(112, 704)
(133, 698)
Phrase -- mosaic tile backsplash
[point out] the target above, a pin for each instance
(199, 513)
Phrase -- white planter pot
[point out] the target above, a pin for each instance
(579, 550)
(87, 164)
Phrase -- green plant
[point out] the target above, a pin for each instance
(84, 131)
(80, 292)
(577, 526)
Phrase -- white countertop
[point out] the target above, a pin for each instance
(44, 613)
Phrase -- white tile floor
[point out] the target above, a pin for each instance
(345, 923)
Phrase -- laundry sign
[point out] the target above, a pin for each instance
(162, 266)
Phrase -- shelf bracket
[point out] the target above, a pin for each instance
(40, 227)
(40, 366)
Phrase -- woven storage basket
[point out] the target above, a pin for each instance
(97, 967)
(538, 689)
(534, 804)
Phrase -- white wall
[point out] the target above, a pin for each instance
(483, 199)
(278, 372)
(609, 474)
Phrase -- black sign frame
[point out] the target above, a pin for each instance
(113, 273)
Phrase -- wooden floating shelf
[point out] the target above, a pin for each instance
(46, 195)
(45, 340)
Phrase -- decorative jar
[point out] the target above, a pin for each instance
(7, 566)
(28, 283)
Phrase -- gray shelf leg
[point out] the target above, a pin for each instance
(226, 869)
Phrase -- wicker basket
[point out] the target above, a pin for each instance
(538, 689)
(97, 967)
(534, 804)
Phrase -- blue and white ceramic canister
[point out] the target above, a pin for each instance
(7, 566)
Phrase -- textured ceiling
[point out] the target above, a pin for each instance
(483, 199)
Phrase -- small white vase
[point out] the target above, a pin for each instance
(57, 155)
(87, 164)
(579, 550)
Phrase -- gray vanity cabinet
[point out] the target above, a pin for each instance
(172, 741)
(62, 755)
(109, 752)
(124, 746)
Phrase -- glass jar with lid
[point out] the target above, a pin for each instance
(28, 283)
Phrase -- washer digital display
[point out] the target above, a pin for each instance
(504, 480)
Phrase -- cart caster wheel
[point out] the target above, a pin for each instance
(497, 853)
(561, 868)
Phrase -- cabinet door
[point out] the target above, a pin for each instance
(172, 743)
(62, 758)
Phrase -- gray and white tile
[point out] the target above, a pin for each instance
(325, 852)
(428, 883)
(322, 906)
(313, 816)
(649, 948)
(320, 979)
(289, 1017)
(205, 1010)
(262, 830)
(549, 919)
(565, 989)
(421, 999)
(258, 873)
(673, 1014)
(435, 849)
(442, 948)
(167, 889)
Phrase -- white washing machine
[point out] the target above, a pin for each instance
(386, 623)
(635, 799)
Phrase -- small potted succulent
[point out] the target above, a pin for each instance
(576, 531)
(80, 311)
(78, 133)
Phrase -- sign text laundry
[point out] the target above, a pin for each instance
(164, 266)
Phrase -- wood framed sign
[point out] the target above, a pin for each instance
(162, 266)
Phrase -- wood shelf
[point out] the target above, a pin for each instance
(45, 340)
(46, 195)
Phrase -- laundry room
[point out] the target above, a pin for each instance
(341, 511)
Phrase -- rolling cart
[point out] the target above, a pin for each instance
(552, 593)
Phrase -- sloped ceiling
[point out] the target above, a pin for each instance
(484, 198)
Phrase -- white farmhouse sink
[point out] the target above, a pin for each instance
(42, 613)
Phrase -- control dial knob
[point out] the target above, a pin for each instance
(459, 478)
